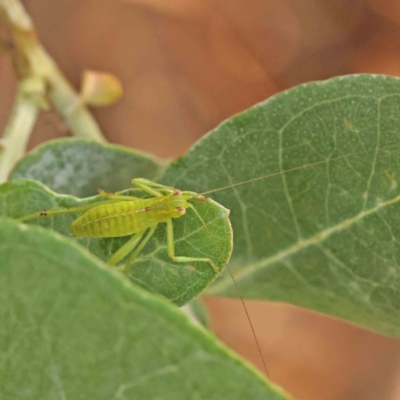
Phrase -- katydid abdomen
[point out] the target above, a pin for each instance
(125, 218)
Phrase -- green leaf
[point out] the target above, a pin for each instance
(153, 269)
(324, 237)
(73, 329)
(81, 167)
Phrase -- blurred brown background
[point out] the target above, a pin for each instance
(186, 65)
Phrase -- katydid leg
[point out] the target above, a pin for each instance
(125, 249)
(66, 210)
(151, 187)
(146, 188)
(171, 250)
(152, 184)
(139, 248)
(117, 196)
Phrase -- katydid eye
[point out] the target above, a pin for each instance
(181, 210)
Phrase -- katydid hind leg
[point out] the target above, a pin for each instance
(65, 210)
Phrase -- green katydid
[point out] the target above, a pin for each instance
(132, 216)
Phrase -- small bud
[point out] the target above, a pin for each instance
(99, 89)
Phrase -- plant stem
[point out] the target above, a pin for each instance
(64, 98)
(17, 132)
(15, 14)
(33, 60)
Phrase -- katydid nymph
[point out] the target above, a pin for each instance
(122, 215)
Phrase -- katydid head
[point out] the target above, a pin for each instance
(177, 205)
(180, 201)
(177, 202)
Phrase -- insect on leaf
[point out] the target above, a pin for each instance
(208, 237)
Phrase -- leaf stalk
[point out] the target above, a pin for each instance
(35, 69)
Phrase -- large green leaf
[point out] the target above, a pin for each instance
(153, 269)
(324, 237)
(72, 329)
(81, 167)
